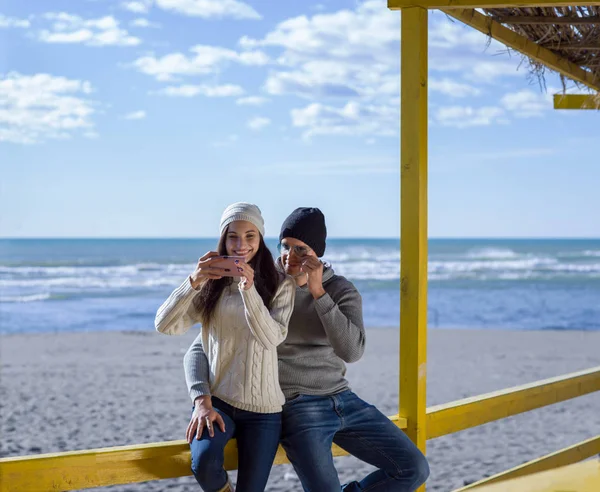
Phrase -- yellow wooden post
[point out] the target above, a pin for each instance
(413, 216)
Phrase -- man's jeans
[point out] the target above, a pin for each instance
(257, 437)
(312, 423)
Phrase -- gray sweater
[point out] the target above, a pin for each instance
(323, 335)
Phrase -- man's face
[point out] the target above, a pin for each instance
(293, 251)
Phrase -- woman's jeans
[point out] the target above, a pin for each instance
(257, 437)
(312, 423)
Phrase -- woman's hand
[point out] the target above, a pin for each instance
(204, 415)
(247, 279)
(205, 271)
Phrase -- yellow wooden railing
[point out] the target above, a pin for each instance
(130, 464)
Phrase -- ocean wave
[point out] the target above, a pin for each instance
(492, 254)
(28, 298)
(91, 271)
(372, 267)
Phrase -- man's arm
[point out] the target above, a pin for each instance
(197, 371)
(343, 322)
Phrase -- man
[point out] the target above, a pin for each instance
(326, 331)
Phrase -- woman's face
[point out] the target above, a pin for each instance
(243, 239)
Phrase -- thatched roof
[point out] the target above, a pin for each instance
(571, 32)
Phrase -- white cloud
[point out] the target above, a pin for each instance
(258, 123)
(325, 55)
(352, 119)
(352, 55)
(467, 116)
(144, 23)
(490, 71)
(452, 88)
(39, 107)
(135, 115)
(227, 90)
(138, 7)
(205, 60)
(69, 28)
(527, 103)
(8, 22)
(346, 34)
(252, 101)
(210, 8)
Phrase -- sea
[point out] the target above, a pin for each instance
(68, 285)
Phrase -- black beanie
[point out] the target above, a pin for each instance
(307, 225)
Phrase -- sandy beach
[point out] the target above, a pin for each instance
(62, 392)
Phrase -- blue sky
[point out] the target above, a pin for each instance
(146, 118)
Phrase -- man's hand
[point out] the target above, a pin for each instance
(313, 267)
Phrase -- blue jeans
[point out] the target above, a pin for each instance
(312, 423)
(257, 437)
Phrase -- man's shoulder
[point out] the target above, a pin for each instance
(339, 284)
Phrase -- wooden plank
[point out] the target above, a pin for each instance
(534, 19)
(579, 477)
(486, 4)
(564, 457)
(413, 224)
(76, 470)
(471, 412)
(486, 25)
(577, 101)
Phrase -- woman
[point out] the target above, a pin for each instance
(242, 324)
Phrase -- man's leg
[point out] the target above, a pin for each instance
(370, 436)
(257, 439)
(309, 423)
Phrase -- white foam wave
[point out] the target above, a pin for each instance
(370, 265)
(29, 298)
(492, 254)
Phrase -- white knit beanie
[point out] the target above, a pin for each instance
(242, 211)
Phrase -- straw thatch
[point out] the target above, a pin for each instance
(571, 32)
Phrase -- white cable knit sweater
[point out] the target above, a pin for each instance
(240, 342)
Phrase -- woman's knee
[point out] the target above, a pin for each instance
(207, 460)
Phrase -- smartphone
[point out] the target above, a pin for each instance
(229, 264)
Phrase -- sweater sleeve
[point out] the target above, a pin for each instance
(177, 315)
(270, 327)
(196, 369)
(343, 323)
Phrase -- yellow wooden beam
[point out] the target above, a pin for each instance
(413, 218)
(77, 470)
(471, 412)
(564, 457)
(577, 101)
(485, 4)
(486, 25)
(579, 477)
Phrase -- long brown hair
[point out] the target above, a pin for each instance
(266, 280)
